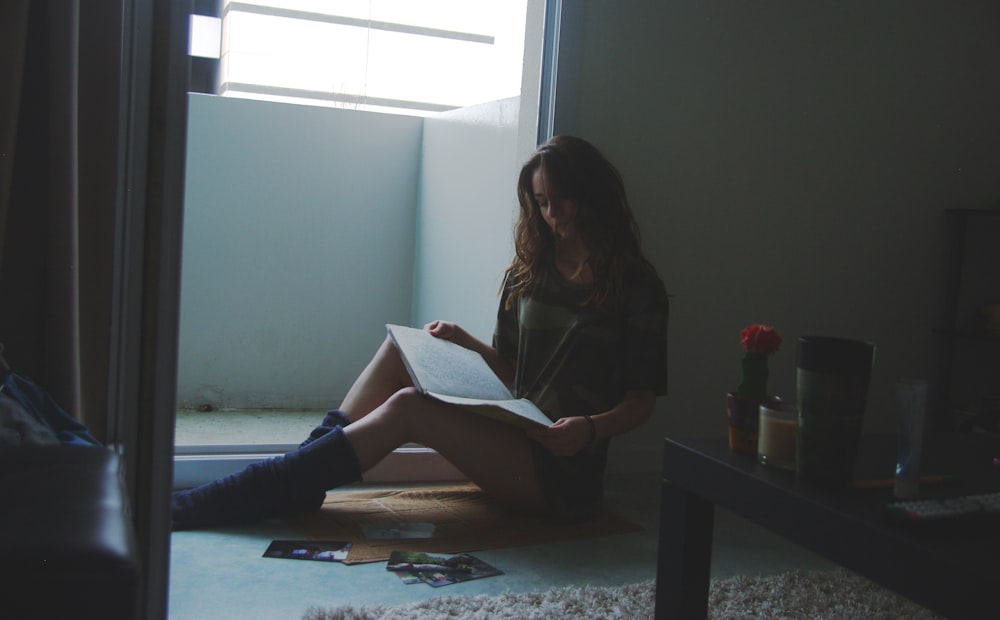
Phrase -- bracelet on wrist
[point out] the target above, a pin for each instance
(593, 429)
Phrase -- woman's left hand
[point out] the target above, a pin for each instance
(564, 437)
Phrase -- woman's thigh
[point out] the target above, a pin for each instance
(495, 456)
(384, 375)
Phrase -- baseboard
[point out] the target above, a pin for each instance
(194, 465)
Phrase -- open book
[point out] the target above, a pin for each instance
(453, 374)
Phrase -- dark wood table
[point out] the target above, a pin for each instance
(953, 571)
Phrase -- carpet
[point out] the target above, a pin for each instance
(817, 595)
(464, 518)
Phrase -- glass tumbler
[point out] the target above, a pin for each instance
(776, 435)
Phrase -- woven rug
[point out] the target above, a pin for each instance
(464, 518)
(816, 595)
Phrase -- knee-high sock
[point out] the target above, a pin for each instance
(293, 483)
(333, 418)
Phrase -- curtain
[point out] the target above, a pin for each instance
(57, 199)
(38, 284)
(92, 137)
(13, 28)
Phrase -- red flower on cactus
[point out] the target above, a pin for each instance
(758, 338)
(759, 342)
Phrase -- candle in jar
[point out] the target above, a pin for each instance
(776, 435)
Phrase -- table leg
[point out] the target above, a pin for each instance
(684, 557)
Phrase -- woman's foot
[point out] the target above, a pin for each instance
(285, 485)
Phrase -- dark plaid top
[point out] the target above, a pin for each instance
(572, 359)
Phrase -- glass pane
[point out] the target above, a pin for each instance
(449, 53)
(294, 53)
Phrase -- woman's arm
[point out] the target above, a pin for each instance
(458, 335)
(569, 435)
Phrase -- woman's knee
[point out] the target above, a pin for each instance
(404, 398)
(409, 409)
(403, 406)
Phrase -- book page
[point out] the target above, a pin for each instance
(443, 367)
(519, 412)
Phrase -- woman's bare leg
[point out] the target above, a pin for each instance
(384, 376)
(496, 456)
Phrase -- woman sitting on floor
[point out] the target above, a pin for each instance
(581, 331)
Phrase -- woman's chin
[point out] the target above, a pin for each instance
(566, 234)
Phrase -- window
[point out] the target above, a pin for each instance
(400, 56)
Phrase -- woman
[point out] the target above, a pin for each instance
(581, 331)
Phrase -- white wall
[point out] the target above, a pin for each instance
(301, 235)
(469, 165)
(307, 229)
(298, 248)
(302, 227)
(467, 195)
(789, 163)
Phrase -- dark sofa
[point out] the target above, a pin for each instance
(67, 546)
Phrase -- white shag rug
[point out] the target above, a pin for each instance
(818, 595)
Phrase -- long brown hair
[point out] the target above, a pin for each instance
(575, 170)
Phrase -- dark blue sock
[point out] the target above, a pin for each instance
(283, 485)
(333, 418)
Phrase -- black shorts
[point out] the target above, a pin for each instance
(573, 485)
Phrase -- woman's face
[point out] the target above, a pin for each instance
(559, 214)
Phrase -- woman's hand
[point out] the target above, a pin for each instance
(565, 436)
(451, 331)
(448, 330)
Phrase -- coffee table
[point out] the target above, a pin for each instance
(953, 571)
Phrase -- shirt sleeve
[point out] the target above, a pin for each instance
(645, 341)
(505, 334)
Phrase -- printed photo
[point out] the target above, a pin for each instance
(438, 570)
(319, 550)
(417, 561)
